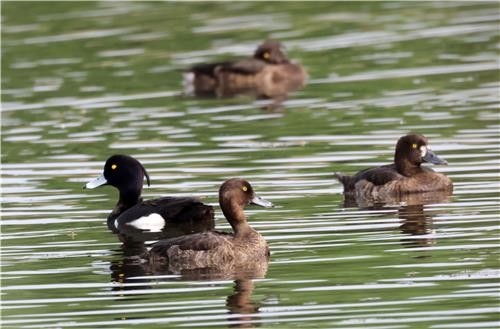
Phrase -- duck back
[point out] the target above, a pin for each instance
(270, 81)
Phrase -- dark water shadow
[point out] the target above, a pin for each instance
(270, 104)
(414, 218)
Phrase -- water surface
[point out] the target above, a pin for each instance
(84, 80)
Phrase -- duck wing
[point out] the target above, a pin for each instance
(244, 66)
(207, 68)
(199, 241)
(176, 209)
(378, 175)
(189, 245)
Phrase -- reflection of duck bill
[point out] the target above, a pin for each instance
(96, 182)
(257, 200)
(431, 157)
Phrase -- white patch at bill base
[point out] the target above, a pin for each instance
(188, 83)
(153, 223)
(423, 151)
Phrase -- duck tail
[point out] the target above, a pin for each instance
(345, 180)
(157, 255)
(208, 216)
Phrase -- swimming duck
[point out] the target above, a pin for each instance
(268, 74)
(132, 215)
(215, 249)
(405, 175)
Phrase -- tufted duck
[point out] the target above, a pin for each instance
(132, 215)
(405, 175)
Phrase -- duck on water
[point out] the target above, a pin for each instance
(404, 176)
(242, 248)
(268, 74)
(138, 220)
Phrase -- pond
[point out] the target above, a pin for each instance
(84, 80)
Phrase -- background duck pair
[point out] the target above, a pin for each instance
(204, 249)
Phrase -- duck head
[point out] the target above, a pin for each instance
(411, 151)
(234, 195)
(124, 173)
(271, 52)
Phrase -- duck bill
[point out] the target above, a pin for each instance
(257, 200)
(431, 157)
(96, 182)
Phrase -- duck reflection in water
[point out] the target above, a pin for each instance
(240, 303)
(269, 74)
(133, 275)
(416, 223)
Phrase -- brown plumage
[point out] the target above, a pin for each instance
(405, 175)
(268, 74)
(218, 249)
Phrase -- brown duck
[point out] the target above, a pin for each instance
(218, 249)
(268, 74)
(405, 175)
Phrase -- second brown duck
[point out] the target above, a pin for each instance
(218, 249)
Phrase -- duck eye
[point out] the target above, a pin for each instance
(414, 146)
(113, 166)
(266, 55)
(244, 188)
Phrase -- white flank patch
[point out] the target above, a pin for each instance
(153, 223)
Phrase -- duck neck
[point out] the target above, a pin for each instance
(236, 218)
(128, 199)
(407, 168)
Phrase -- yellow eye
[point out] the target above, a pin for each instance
(414, 146)
(266, 55)
(244, 188)
(113, 166)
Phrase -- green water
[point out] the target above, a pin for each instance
(84, 80)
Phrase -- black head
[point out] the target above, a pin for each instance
(271, 52)
(239, 192)
(123, 172)
(412, 150)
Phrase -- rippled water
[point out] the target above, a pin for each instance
(82, 81)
